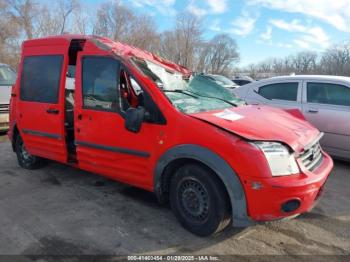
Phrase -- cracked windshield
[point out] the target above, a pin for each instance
(190, 95)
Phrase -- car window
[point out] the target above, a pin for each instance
(40, 78)
(100, 82)
(7, 76)
(280, 91)
(326, 93)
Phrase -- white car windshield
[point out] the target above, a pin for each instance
(222, 80)
(189, 94)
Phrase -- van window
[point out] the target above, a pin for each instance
(280, 91)
(40, 78)
(326, 93)
(100, 83)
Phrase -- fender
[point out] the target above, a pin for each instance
(219, 166)
(296, 113)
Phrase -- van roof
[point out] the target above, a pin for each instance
(104, 43)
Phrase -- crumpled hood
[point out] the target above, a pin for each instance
(263, 123)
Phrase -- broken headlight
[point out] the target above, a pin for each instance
(280, 159)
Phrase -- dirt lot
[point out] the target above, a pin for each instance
(61, 210)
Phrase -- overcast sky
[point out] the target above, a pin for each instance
(262, 28)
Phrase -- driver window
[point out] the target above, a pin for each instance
(100, 83)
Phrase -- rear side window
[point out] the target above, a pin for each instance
(100, 83)
(280, 91)
(326, 93)
(40, 78)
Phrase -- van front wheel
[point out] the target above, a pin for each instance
(25, 159)
(199, 200)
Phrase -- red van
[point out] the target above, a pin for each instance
(132, 116)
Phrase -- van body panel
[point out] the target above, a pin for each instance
(41, 125)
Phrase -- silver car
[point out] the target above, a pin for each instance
(7, 79)
(324, 101)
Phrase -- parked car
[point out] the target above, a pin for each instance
(216, 161)
(221, 80)
(242, 80)
(7, 79)
(323, 100)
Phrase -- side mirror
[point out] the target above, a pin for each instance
(134, 118)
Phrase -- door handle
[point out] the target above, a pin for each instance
(52, 111)
(314, 111)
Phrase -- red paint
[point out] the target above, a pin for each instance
(228, 141)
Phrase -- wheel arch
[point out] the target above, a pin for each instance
(182, 154)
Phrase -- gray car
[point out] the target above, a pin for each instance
(7, 79)
(324, 101)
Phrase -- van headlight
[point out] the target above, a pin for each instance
(281, 161)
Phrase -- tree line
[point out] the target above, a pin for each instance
(183, 44)
(333, 61)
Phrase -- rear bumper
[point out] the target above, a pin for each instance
(4, 121)
(268, 201)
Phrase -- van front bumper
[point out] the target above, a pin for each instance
(4, 121)
(280, 197)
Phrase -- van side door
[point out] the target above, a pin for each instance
(327, 106)
(40, 114)
(103, 144)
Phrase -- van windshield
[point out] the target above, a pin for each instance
(7, 76)
(189, 94)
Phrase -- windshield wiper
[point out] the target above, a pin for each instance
(195, 95)
(181, 92)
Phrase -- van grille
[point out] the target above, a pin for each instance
(312, 157)
(4, 108)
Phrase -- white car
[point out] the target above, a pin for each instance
(323, 100)
(7, 79)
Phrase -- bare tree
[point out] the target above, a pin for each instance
(82, 20)
(218, 55)
(120, 23)
(305, 62)
(66, 7)
(114, 21)
(188, 38)
(48, 22)
(9, 33)
(336, 60)
(24, 12)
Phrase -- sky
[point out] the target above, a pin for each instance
(262, 28)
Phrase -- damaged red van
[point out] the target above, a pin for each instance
(132, 116)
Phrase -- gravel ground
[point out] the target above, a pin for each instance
(58, 210)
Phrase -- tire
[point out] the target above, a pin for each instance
(199, 200)
(26, 160)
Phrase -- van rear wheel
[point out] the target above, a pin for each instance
(199, 200)
(25, 159)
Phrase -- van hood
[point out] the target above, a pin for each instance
(263, 123)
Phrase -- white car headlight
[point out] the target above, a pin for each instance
(281, 161)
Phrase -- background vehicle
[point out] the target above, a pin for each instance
(147, 122)
(242, 80)
(7, 79)
(324, 101)
(221, 80)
